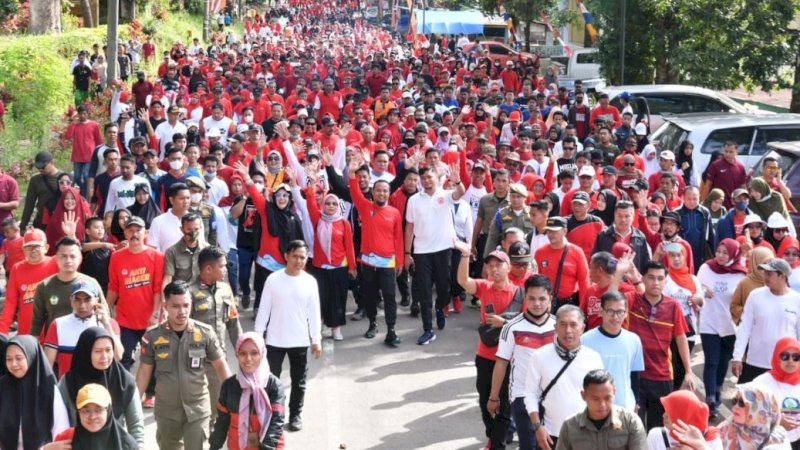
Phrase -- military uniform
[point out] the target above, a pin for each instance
(180, 261)
(214, 305)
(504, 219)
(182, 409)
(206, 213)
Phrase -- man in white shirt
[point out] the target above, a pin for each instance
(290, 318)
(166, 130)
(561, 396)
(771, 312)
(432, 239)
(122, 190)
(217, 187)
(165, 230)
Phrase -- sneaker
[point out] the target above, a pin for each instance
(405, 301)
(371, 331)
(358, 315)
(414, 310)
(441, 318)
(149, 402)
(295, 424)
(379, 305)
(457, 305)
(392, 339)
(426, 338)
(245, 302)
(336, 333)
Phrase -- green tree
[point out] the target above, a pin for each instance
(701, 42)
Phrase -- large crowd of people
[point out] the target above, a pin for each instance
(321, 157)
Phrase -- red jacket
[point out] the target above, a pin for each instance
(381, 231)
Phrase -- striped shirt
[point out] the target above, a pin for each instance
(656, 325)
(518, 340)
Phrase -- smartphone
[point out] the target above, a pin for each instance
(489, 309)
(612, 265)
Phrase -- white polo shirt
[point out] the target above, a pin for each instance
(164, 133)
(432, 217)
(165, 230)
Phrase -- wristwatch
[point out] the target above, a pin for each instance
(535, 426)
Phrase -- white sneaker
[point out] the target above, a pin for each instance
(337, 333)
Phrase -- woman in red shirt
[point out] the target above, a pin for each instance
(334, 258)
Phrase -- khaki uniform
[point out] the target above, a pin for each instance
(215, 306)
(181, 262)
(182, 409)
(508, 219)
(210, 222)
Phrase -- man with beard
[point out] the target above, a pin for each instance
(670, 227)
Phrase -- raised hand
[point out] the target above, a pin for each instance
(70, 224)
(240, 168)
(344, 130)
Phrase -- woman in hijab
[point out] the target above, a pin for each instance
(714, 202)
(764, 201)
(93, 362)
(196, 80)
(684, 162)
(753, 280)
(683, 286)
(251, 403)
(144, 206)
(97, 428)
(783, 380)
(792, 256)
(555, 204)
(334, 258)
(32, 408)
(754, 422)
(70, 211)
(719, 278)
(117, 232)
(606, 202)
(683, 407)
(3, 345)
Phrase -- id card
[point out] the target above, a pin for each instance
(252, 440)
(195, 364)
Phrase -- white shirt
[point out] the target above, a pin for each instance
(683, 296)
(217, 190)
(462, 220)
(164, 133)
(385, 176)
(716, 317)
(518, 340)
(122, 193)
(564, 398)
(165, 230)
(224, 239)
(432, 219)
(766, 318)
(289, 310)
(788, 398)
(223, 124)
(794, 280)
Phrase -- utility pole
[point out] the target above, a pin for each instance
(622, 44)
(206, 32)
(113, 39)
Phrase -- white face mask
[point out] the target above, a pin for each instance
(176, 165)
(259, 187)
(197, 197)
(210, 175)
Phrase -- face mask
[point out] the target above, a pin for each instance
(294, 137)
(176, 165)
(197, 197)
(210, 175)
(259, 186)
(410, 142)
(429, 116)
(192, 235)
(741, 206)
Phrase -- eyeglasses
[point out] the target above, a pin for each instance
(780, 230)
(630, 144)
(629, 164)
(791, 254)
(281, 195)
(523, 264)
(274, 158)
(616, 312)
(786, 355)
(739, 401)
(311, 123)
(65, 183)
(568, 149)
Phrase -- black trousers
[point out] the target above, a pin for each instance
(476, 267)
(455, 260)
(355, 284)
(403, 284)
(651, 411)
(749, 373)
(260, 279)
(497, 426)
(332, 284)
(678, 371)
(379, 281)
(430, 269)
(298, 370)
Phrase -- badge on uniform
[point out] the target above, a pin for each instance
(202, 306)
(54, 300)
(197, 336)
(161, 340)
(195, 363)
(162, 355)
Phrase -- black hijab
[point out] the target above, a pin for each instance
(681, 158)
(116, 230)
(111, 437)
(283, 223)
(556, 210)
(607, 216)
(147, 211)
(119, 382)
(3, 345)
(27, 401)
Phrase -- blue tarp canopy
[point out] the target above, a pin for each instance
(449, 22)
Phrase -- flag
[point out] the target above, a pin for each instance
(588, 22)
(512, 32)
(556, 34)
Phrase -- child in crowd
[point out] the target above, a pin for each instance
(97, 252)
(11, 249)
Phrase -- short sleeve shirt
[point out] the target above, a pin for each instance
(656, 325)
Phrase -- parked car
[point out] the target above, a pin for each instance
(500, 51)
(658, 100)
(709, 132)
(788, 155)
(581, 65)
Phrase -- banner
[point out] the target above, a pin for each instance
(588, 21)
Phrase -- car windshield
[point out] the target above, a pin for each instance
(669, 136)
(785, 159)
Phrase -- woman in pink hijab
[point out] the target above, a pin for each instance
(251, 403)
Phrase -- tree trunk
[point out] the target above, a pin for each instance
(527, 35)
(794, 106)
(127, 10)
(45, 17)
(86, 12)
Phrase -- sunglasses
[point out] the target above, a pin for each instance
(786, 355)
(630, 164)
(739, 401)
(780, 230)
(274, 158)
(65, 183)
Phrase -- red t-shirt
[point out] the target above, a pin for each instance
(136, 278)
(85, 137)
(500, 299)
(590, 303)
(656, 325)
(575, 272)
(12, 250)
(20, 291)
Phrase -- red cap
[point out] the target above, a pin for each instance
(34, 236)
(501, 255)
(124, 96)
(515, 116)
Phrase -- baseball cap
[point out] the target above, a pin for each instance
(312, 153)
(308, 142)
(609, 170)
(673, 247)
(213, 132)
(93, 393)
(328, 121)
(513, 156)
(514, 116)
(671, 215)
(505, 142)
(586, 171)
(519, 252)
(85, 287)
(238, 137)
(34, 236)
(254, 127)
(42, 159)
(668, 155)
(498, 254)
(518, 188)
(406, 94)
(138, 140)
(134, 220)
(173, 109)
(555, 224)
(753, 218)
(195, 182)
(738, 192)
(479, 166)
(581, 196)
(217, 90)
(777, 265)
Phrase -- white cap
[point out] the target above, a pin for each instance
(302, 112)
(214, 132)
(640, 129)
(752, 218)
(587, 171)
(776, 221)
(410, 110)
(407, 94)
(667, 154)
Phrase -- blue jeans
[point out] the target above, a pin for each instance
(233, 270)
(717, 353)
(246, 258)
(80, 172)
(130, 339)
(527, 439)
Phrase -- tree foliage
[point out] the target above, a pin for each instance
(702, 42)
